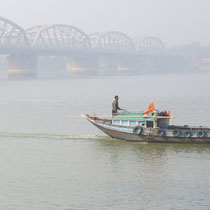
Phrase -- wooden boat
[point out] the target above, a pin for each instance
(149, 128)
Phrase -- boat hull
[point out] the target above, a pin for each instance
(124, 133)
(150, 138)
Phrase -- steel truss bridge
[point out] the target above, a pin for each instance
(60, 39)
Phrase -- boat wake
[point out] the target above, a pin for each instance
(51, 136)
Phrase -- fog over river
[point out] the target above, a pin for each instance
(53, 159)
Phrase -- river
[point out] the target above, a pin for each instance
(53, 159)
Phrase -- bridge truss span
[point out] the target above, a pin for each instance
(12, 36)
(112, 42)
(58, 37)
(150, 46)
(94, 39)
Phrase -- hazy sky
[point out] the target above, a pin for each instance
(175, 22)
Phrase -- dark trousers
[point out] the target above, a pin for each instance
(114, 113)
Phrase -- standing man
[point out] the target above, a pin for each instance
(115, 106)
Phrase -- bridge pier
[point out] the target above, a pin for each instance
(107, 65)
(81, 65)
(127, 64)
(22, 66)
(117, 65)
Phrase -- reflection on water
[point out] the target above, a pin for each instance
(50, 161)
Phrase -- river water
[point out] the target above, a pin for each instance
(53, 159)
